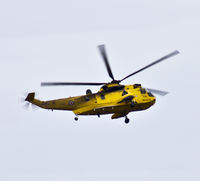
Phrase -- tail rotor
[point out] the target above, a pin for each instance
(26, 101)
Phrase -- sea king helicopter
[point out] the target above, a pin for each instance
(112, 98)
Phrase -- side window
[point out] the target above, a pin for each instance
(124, 93)
(150, 94)
(102, 97)
(143, 91)
(87, 98)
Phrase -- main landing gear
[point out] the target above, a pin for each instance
(126, 120)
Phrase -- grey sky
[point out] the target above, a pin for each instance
(56, 41)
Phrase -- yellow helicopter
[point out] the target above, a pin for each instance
(112, 98)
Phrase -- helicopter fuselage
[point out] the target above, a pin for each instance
(114, 99)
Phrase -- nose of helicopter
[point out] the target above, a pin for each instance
(153, 101)
(152, 98)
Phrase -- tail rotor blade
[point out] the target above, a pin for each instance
(22, 99)
(34, 107)
(26, 106)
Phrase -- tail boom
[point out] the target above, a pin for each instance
(58, 104)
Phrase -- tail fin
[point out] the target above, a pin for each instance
(30, 97)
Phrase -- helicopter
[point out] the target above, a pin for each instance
(112, 98)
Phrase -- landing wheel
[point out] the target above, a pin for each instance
(126, 120)
(76, 118)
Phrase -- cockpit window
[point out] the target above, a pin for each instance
(124, 93)
(143, 91)
(112, 89)
(150, 94)
(136, 86)
(87, 98)
(102, 97)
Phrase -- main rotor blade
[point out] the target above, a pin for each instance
(153, 63)
(69, 83)
(159, 92)
(105, 58)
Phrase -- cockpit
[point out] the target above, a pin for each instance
(143, 91)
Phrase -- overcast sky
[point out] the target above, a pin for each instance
(56, 41)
